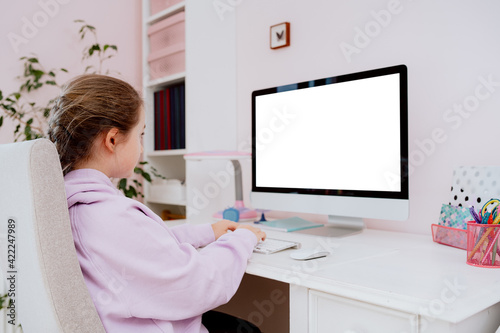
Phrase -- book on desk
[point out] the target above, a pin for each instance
(288, 225)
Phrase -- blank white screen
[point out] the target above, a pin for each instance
(336, 136)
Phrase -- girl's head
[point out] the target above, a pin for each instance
(97, 117)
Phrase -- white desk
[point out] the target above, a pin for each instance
(381, 281)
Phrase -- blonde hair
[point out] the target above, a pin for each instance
(88, 106)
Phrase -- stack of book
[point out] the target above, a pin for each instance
(170, 120)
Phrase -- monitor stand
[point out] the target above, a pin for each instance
(337, 226)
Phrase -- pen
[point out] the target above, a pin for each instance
(494, 253)
(492, 244)
(474, 214)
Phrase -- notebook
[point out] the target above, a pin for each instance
(288, 225)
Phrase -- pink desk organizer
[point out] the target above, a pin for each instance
(482, 245)
(449, 236)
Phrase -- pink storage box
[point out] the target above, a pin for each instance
(166, 62)
(449, 236)
(483, 249)
(157, 6)
(168, 32)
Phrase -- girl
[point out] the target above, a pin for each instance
(142, 276)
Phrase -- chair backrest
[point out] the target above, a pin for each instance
(50, 292)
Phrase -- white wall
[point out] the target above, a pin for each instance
(46, 28)
(450, 48)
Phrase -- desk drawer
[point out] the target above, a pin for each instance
(332, 314)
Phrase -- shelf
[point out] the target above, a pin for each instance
(218, 155)
(171, 79)
(161, 202)
(170, 152)
(166, 12)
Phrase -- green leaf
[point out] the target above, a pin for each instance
(147, 176)
(3, 298)
(27, 132)
(9, 108)
(52, 83)
(33, 60)
(122, 185)
(37, 73)
(30, 121)
(131, 192)
(1, 121)
(114, 47)
(51, 73)
(17, 96)
(1, 95)
(79, 21)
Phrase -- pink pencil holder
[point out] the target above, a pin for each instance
(483, 247)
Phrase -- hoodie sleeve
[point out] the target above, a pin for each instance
(196, 235)
(153, 271)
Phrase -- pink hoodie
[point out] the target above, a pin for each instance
(145, 277)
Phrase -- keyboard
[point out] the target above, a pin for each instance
(272, 245)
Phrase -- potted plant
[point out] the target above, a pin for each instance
(30, 116)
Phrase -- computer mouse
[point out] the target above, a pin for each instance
(307, 254)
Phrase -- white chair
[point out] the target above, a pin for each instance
(50, 292)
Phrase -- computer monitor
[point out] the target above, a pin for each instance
(336, 146)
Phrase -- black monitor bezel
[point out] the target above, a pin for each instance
(403, 85)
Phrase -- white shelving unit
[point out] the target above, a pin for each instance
(210, 103)
(169, 163)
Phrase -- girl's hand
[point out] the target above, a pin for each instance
(222, 227)
(261, 235)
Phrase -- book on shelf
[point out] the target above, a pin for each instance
(169, 118)
(288, 225)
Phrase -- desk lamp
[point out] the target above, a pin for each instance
(243, 213)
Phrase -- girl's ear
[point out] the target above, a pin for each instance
(111, 139)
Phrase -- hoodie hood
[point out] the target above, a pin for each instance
(86, 186)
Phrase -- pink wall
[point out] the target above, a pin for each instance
(46, 28)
